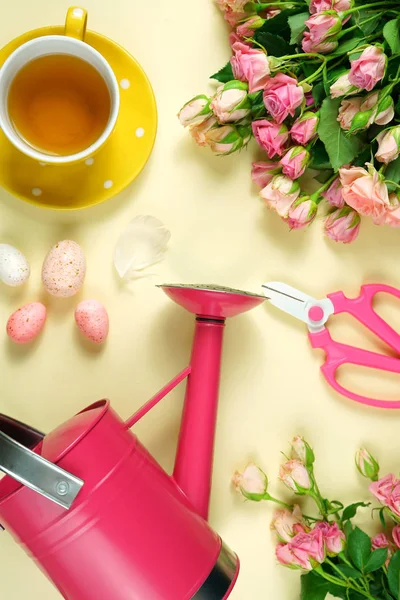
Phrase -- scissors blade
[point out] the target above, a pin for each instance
(288, 299)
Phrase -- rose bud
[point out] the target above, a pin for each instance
(367, 465)
(305, 128)
(295, 476)
(195, 111)
(231, 102)
(367, 70)
(295, 162)
(252, 483)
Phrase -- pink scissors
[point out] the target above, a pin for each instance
(315, 314)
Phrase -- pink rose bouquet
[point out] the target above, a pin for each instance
(316, 83)
(332, 555)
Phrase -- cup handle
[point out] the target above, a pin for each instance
(75, 22)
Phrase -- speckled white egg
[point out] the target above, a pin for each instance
(14, 268)
(92, 320)
(64, 269)
(26, 323)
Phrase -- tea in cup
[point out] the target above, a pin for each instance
(59, 98)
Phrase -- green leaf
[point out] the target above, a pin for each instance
(359, 548)
(225, 74)
(376, 560)
(319, 157)
(318, 93)
(356, 596)
(393, 171)
(394, 575)
(371, 26)
(275, 45)
(348, 528)
(340, 148)
(349, 571)
(346, 46)
(324, 175)
(313, 587)
(391, 33)
(363, 157)
(297, 24)
(279, 25)
(351, 510)
(382, 517)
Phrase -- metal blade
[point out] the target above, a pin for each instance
(288, 299)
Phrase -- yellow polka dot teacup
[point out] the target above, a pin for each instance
(59, 98)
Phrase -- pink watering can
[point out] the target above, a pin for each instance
(102, 519)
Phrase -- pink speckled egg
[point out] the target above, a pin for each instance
(26, 323)
(64, 269)
(92, 319)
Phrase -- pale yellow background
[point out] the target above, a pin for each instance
(271, 386)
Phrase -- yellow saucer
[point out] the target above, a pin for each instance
(115, 166)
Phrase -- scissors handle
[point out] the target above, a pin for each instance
(361, 309)
(338, 354)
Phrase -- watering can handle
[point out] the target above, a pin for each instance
(37, 473)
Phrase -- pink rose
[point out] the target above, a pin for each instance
(343, 225)
(295, 476)
(285, 523)
(227, 139)
(317, 6)
(334, 538)
(366, 71)
(325, 47)
(231, 102)
(252, 483)
(343, 87)
(312, 543)
(295, 162)
(309, 99)
(347, 110)
(302, 213)
(394, 500)
(304, 551)
(248, 28)
(280, 193)
(323, 26)
(393, 213)
(389, 145)
(199, 131)
(302, 451)
(263, 172)
(380, 112)
(270, 13)
(293, 558)
(251, 65)
(366, 192)
(396, 535)
(270, 136)
(233, 10)
(282, 95)
(383, 488)
(380, 541)
(334, 194)
(195, 111)
(305, 128)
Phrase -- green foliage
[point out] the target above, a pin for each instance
(297, 26)
(359, 548)
(394, 575)
(274, 45)
(351, 511)
(391, 33)
(340, 148)
(225, 74)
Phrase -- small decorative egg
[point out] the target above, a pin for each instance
(26, 323)
(14, 268)
(64, 269)
(92, 319)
